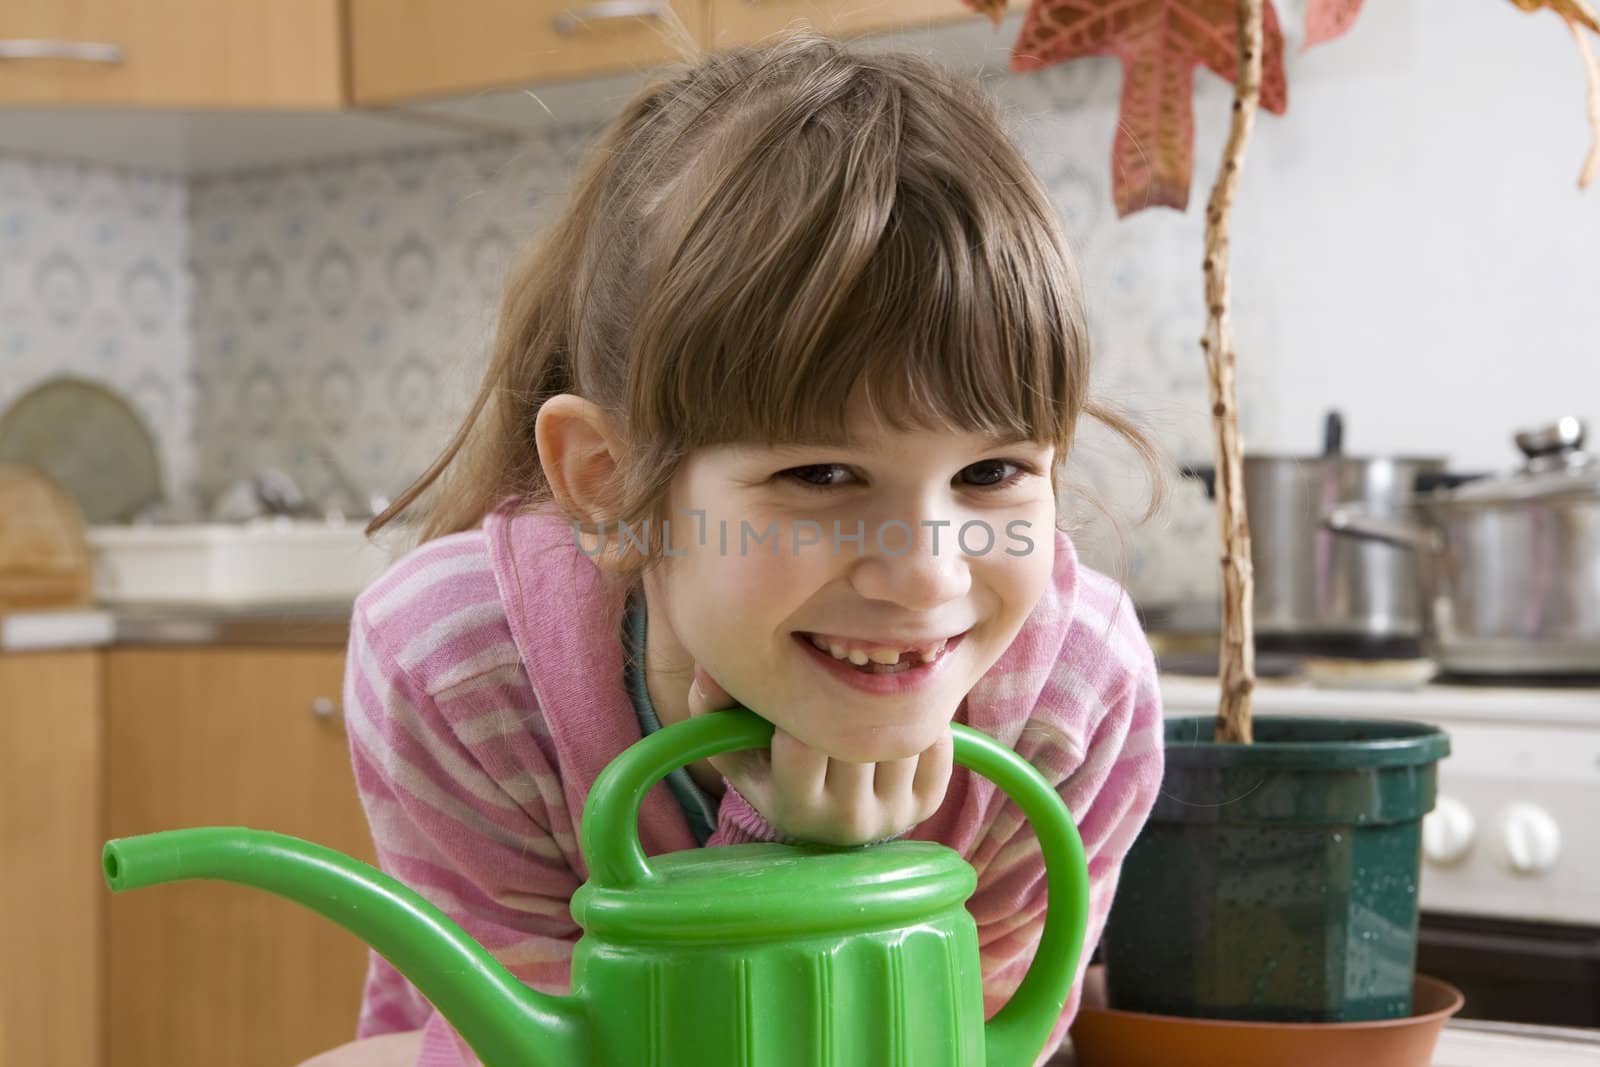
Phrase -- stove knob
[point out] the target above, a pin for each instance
(1447, 832)
(1530, 840)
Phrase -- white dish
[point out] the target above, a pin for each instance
(1397, 674)
(270, 561)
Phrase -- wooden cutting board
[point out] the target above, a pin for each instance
(44, 550)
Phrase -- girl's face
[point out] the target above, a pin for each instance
(915, 555)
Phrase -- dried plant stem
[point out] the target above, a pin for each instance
(1591, 71)
(1237, 668)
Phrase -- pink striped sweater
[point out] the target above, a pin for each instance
(484, 694)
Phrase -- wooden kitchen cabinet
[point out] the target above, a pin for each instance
(406, 49)
(213, 973)
(735, 22)
(409, 49)
(52, 899)
(297, 61)
(173, 53)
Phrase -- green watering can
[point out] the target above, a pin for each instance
(761, 955)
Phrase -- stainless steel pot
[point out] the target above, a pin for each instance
(1509, 566)
(1319, 593)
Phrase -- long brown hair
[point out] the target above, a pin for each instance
(756, 235)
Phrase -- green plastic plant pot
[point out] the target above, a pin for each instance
(1277, 881)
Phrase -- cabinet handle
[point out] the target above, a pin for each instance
(323, 708)
(569, 22)
(82, 51)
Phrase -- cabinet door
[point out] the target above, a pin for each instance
(172, 53)
(208, 972)
(737, 22)
(52, 899)
(410, 49)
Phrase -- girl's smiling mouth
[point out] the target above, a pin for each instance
(879, 667)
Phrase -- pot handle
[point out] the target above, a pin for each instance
(609, 834)
(1352, 520)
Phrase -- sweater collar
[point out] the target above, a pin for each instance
(565, 619)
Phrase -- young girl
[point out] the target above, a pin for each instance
(774, 418)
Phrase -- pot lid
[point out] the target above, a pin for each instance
(1352, 459)
(1333, 451)
(1555, 466)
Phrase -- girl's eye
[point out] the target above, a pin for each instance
(991, 473)
(987, 474)
(817, 476)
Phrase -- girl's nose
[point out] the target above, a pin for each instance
(918, 570)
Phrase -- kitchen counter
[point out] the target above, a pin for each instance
(1470, 1043)
(298, 625)
(1548, 706)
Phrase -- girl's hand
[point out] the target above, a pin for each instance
(808, 796)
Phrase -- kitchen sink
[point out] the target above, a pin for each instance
(269, 561)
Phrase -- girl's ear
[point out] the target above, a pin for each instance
(578, 452)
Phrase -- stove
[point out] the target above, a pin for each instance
(1510, 886)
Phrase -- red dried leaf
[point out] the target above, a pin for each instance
(1327, 19)
(1159, 42)
(1572, 10)
(993, 10)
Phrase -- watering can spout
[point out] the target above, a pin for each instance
(503, 1020)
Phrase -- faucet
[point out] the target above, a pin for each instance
(365, 504)
(279, 494)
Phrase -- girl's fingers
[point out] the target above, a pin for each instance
(933, 774)
(894, 780)
(749, 770)
(798, 770)
(705, 695)
(851, 800)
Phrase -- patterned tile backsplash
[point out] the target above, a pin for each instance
(345, 310)
(94, 283)
(338, 314)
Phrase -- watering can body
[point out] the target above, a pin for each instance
(758, 955)
(789, 957)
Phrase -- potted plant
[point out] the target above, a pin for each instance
(1277, 878)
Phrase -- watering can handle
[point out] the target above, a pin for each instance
(609, 833)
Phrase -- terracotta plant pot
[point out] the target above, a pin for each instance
(1105, 1037)
(1277, 881)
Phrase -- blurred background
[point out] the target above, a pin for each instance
(250, 256)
